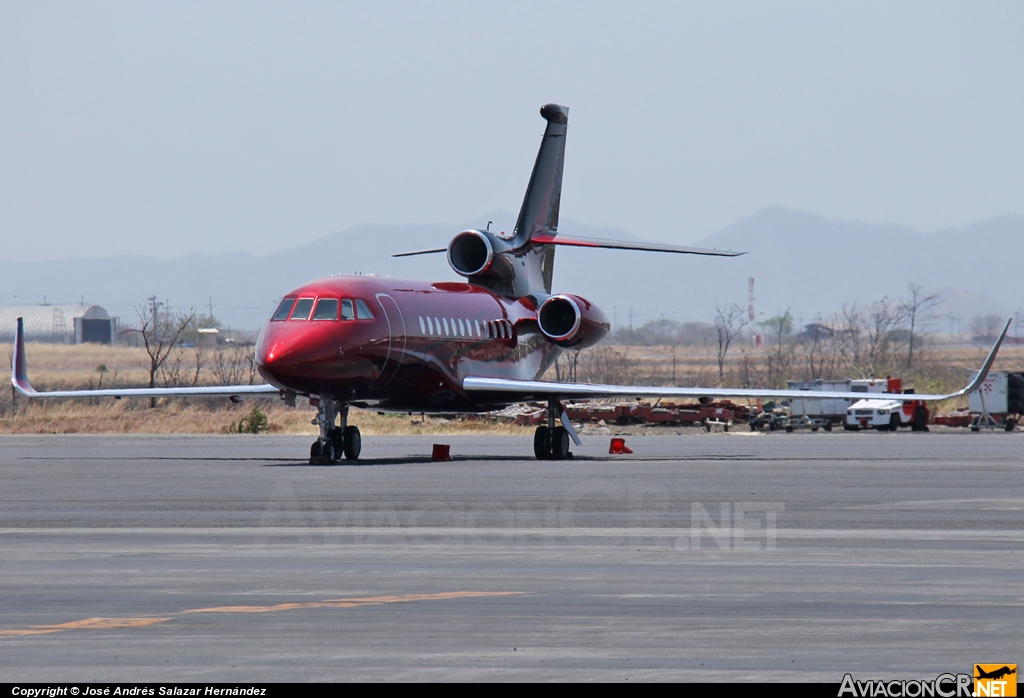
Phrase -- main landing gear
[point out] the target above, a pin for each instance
(334, 441)
(552, 442)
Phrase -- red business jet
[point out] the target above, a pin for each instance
(473, 346)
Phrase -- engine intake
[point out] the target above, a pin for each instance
(572, 321)
(476, 253)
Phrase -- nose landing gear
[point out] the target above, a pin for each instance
(334, 440)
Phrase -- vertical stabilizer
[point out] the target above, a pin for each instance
(539, 214)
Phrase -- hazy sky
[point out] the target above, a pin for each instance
(173, 128)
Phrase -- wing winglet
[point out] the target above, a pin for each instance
(983, 371)
(19, 369)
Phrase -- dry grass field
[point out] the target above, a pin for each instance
(59, 366)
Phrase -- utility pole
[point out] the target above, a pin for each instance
(155, 306)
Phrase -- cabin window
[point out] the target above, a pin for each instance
(462, 329)
(326, 309)
(423, 325)
(282, 310)
(364, 310)
(347, 313)
(303, 306)
(445, 326)
(476, 323)
(430, 325)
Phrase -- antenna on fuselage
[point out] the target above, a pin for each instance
(489, 226)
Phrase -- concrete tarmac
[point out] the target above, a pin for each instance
(702, 557)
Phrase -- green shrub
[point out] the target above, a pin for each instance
(253, 423)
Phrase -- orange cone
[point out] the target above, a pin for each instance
(618, 446)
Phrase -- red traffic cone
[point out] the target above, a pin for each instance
(618, 446)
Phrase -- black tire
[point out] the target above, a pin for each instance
(328, 454)
(560, 443)
(1009, 424)
(789, 428)
(920, 421)
(850, 427)
(540, 443)
(828, 426)
(353, 443)
(894, 422)
(314, 453)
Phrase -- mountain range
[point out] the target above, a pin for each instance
(800, 261)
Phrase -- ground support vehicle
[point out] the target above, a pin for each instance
(819, 410)
(887, 414)
(770, 417)
(999, 402)
(805, 422)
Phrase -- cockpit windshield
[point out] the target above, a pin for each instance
(282, 310)
(302, 308)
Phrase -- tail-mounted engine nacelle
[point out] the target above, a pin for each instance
(477, 253)
(571, 321)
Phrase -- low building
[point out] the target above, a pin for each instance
(60, 324)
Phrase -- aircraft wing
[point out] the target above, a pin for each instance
(19, 379)
(525, 390)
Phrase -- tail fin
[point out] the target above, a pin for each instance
(539, 214)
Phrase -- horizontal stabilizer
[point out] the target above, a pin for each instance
(411, 254)
(578, 241)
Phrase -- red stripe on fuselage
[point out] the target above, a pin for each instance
(414, 368)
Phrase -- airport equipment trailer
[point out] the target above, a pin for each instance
(999, 402)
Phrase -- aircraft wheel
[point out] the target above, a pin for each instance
(353, 443)
(920, 421)
(540, 443)
(314, 453)
(327, 453)
(561, 443)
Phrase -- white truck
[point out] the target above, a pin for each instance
(886, 414)
(826, 412)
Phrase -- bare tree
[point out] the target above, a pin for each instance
(883, 316)
(917, 309)
(778, 362)
(160, 333)
(986, 327)
(729, 322)
(234, 364)
(182, 367)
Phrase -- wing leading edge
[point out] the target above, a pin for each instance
(537, 390)
(19, 379)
